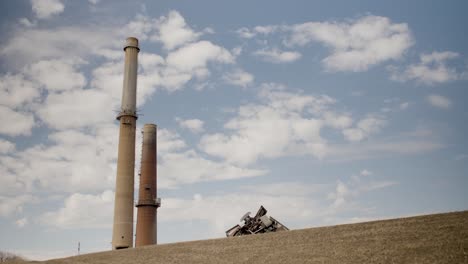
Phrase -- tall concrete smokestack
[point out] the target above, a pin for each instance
(122, 233)
(148, 202)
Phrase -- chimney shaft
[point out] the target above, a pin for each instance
(146, 228)
(122, 233)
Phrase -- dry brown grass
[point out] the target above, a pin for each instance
(441, 238)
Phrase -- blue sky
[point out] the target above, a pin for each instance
(325, 112)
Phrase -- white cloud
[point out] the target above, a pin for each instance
(47, 8)
(364, 128)
(277, 56)
(188, 167)
(173, 32)
(19, 123)
(71, 161)
(64, 43)
(355, 45)
(57, 75)
(88, 107)
(82, 211)
(197, 55)
(439, 101)
(169, 142)
(25, 22)
(262, 30)
(182, 165)
(245, 33)
(194, 125)
(296, 120)
(431, 69)
(347, 191)
(365, 172)
(21, 222)
(6, 146)
(10, 205)
(16, 90)
(239, 78)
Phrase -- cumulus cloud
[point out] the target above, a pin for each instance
(173, 31)
(296, 120)
(63, 42)
(57, 75)
(239, 77)
(182, 165)
(431, 69)
(10, 205)
(364, 128)
(87, 107)
(19, 122)
(439, 101)
(194, 125)
(188, 167)
(17, 90)
(355, 45)
(47, 8)
(6, 146)
(258, 30)
(277, 56)
(82, 211)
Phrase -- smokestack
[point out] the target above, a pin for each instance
(122, 233)
(148, 203)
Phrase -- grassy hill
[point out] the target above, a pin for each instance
(439, 238)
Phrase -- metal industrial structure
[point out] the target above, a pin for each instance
(260, 223)
(148, 202)
(122, 232)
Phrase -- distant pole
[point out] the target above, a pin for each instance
(78, 247)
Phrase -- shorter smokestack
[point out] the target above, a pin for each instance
(148, 203)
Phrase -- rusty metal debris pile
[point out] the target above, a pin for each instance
(260, 223)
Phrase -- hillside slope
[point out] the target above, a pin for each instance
(440, 238)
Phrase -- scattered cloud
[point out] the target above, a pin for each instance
(27, 23)
(47, 8)
(82, 211)
(277, 56)
(439, 101)
(364, 128)
(355, 45)
(173, 31)
(248, 136)
(432, 69)
(57, 75)
(239, 77)
(19, 122)
(10, 205)
(347, 191)
(182, 165)
(6, 146)
(247, 33)
(17, 90)
(22, 222)
(194, 125)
